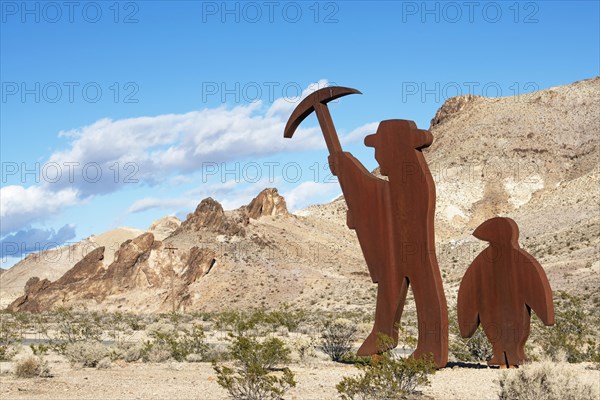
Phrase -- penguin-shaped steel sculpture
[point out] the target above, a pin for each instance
(499, 290)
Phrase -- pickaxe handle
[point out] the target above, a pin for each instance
(329, 132)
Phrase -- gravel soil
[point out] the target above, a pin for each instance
(198, 381)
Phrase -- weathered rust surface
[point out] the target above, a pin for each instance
(317, 102)
(394, 223)
(499, 290)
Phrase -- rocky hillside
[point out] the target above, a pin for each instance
(213, 259)
(52, 264)
(494, 156)
(533, 158)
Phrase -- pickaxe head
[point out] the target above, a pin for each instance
(307, 106)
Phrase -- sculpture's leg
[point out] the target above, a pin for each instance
(432, 317)
(515, 348)
(498, 355)
(399, 309)
(513, 358)
(391, 294)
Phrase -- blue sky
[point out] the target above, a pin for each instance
(174, 101)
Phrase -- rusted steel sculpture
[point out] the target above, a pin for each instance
(499, 290)
(393, 221)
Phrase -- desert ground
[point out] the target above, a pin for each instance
(174, 380)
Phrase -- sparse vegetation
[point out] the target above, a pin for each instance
(253, 377)
(10, 336)
(32, 367)
(476, 348)
(387, 376)
(305, 347)
(71, 327)
(543, 382)
(573, 336)
(336, 339)
(39, 349)
(253, 361)
(7, 352)
(85, 354)
(168, 342)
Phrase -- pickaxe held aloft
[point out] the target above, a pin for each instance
(317, 102)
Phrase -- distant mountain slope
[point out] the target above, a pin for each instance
(494, 156)
(53, 263)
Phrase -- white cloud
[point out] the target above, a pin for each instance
(230, 194)
(34, 239)
(152, 150)
(149, 203)
(308, 193)
(359, 133)
(282, 107)
(20, 206)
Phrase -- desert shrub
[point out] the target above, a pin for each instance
(305, 347)
(10, 330)
(406, 339)
(7, 352)
(546, 381)
(74, 327)
(161, 329)
(249, 352)
(226, 320)
(178, 344)
(253, 378)
(217, 353)
(135, 322)
(118, 326)
(573, 335)
(85, 354)
(475, 348)
(336, 338)
(32, 367)
(39, 349)
(387, 376)
(240, 323)
(132, 352)
(10, 335)
(156, 352)
(193, 358)
(286, 317)
(105, 363)
(193, 341)
(127, 351)
(40, 324)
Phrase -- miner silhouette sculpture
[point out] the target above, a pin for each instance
(393, 220)
(499, 290)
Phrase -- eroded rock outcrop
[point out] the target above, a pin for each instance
(88, 267)
(452, 106)
(145, 268)
(267, 203)
(165, 226)
(41, 294)
(209, 215)
(144, 271)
